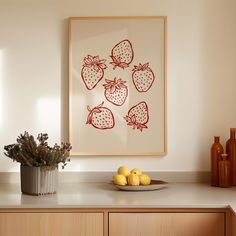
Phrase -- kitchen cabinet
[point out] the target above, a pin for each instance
(51, 224)
(233, 224)
(166, 224)
(116, 222)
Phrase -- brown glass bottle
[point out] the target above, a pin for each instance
(224, 172)
(216, 151)
(231, 151)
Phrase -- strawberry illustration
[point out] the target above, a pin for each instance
(138, 116)
(122, 54)
(143, 77)
(116, 91)
(100, 117)
(92, 71)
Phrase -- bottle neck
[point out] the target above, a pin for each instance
(217, 139)
(232, 134)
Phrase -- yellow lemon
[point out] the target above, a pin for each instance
(133, 179)
(123, 170)
(144, 179)
(136, 171)
(119, 179)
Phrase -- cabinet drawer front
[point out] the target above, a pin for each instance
(166, 224)
(51, 224)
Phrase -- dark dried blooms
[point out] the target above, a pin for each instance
(31, 152)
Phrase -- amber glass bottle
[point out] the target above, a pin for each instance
(231, 151)
(224, 172)
(216, 151)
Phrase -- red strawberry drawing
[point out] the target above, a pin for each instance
(116, 91)
(92, 71)
(100, 117)
(138, 116)
(143, 77)
(122, 54)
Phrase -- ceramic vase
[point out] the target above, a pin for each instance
(39, 180)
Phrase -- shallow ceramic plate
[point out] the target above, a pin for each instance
(154, 185)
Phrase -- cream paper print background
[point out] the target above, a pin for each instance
(97, 36)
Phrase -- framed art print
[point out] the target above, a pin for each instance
(117, 73)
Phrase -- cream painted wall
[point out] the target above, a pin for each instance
(201, 75)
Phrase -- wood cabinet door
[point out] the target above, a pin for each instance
(51, 224)
(166, 224)
(233, 224)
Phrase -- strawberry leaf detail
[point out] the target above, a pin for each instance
(131, 121)
(142, 67)
(113, 85)
(116, 62)
(100, 105)
(94, 62)
(92, 111)
(96, 110)
(112, 89)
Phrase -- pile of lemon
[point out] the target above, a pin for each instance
(134, 177)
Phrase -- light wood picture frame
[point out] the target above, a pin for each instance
(117, 86)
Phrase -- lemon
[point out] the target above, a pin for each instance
(133, 179)
(119, 179)
(144, 179)
(123, 170)
(136, 171)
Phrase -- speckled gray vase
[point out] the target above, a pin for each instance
(39, 180)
